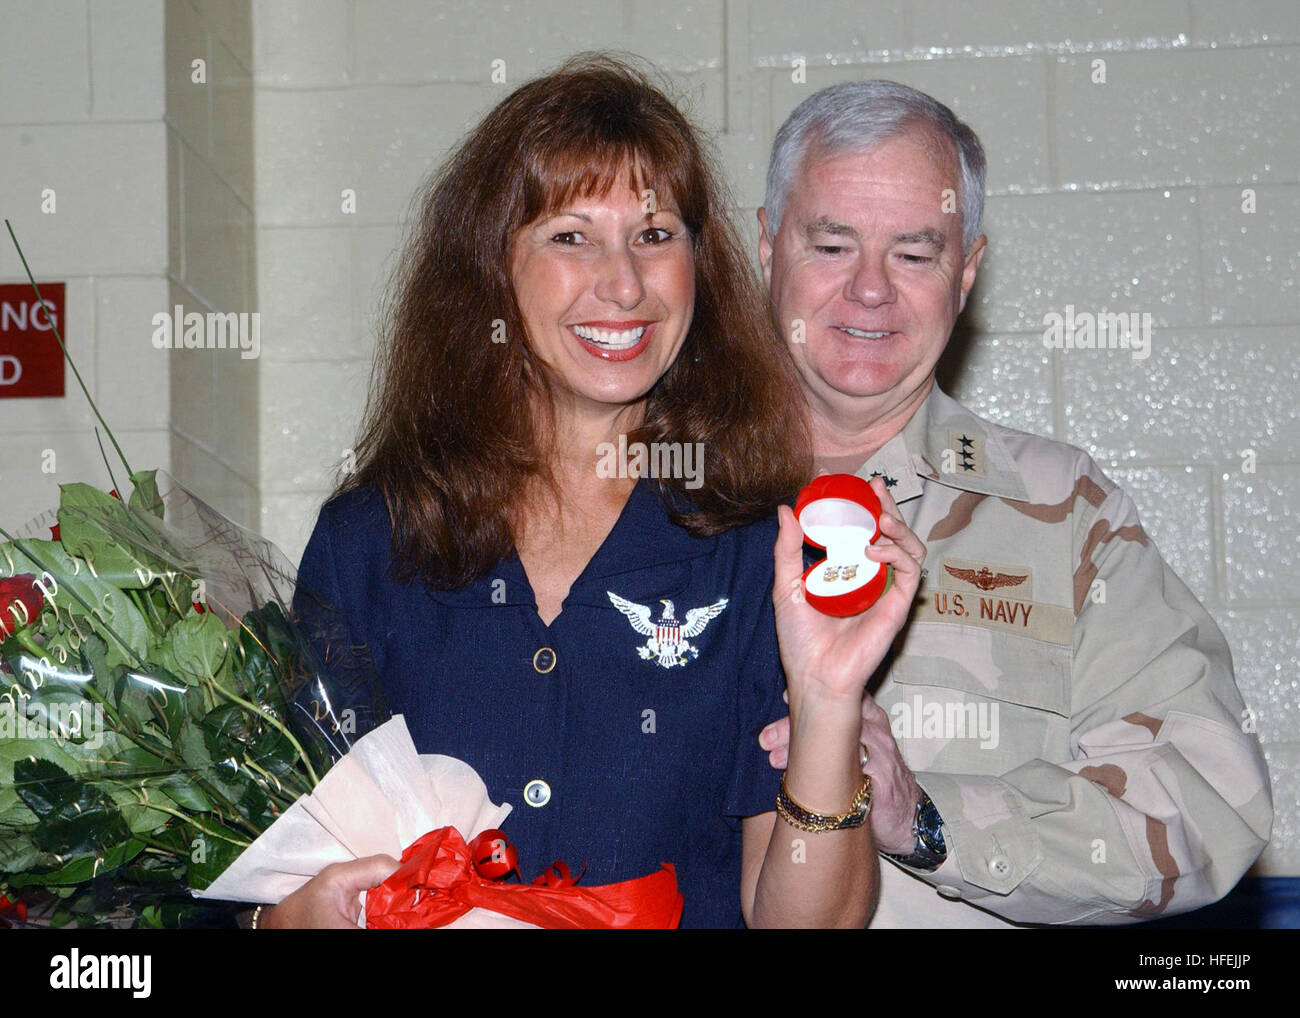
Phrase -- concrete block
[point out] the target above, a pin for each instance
(310, 414)
(217, 245)
(133, 378)
(305, 282)
(189, 103)
(401, 135)
(127, 66)
(840, 31)
(1252, 260)
(303, 43)
(1265, 646)
(1005, 377)
(110, 184)
(44, 63)
(1244, 22)
(1203, 396)
(1125, 252)
(31, 492)
(1036, 25)
(231, 22)
(232, 123)
(288, 519)
(1178, 117)
(400, 42)
(1261, 528)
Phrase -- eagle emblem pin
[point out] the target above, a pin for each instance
(669, 643)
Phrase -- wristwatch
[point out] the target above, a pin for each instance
(927, 827)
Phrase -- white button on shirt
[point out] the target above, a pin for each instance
(537, 793)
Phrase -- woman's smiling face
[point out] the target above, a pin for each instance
(606, 291)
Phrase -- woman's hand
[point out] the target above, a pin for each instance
(331, 899)
(832, 657)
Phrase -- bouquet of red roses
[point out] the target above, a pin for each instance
(178, 718)
(161, 703)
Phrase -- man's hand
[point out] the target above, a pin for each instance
(331, 900)
(894, 791)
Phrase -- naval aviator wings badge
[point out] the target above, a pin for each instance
(669, 638)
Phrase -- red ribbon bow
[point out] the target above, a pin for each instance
(436, 883)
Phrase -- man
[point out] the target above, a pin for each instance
(1058, 737)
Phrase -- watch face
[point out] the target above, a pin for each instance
(929, 827)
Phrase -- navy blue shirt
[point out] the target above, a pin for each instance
(625, 733)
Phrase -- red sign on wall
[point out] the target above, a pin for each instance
(31, 363)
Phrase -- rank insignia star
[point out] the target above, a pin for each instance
(967, 451)
(669, 638)
(889, 481)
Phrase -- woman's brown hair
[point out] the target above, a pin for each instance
(448, 437)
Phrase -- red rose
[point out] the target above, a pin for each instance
(20, 603)
(11, 910)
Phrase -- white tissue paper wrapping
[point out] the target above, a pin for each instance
(379, 798)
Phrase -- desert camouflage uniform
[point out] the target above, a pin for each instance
(1116, 776)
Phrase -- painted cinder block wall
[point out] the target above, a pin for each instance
(1115, 186)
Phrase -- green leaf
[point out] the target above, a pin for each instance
(141, 817)
(77, 759)
(136, 762)
(94, 660)
(84, 867)
(17, 851)
(144, 493)
(282, 638)
(192, 747)
(220, 776)
(14, 750)
(214, 860)
(133, 703)
(97, 527)
(195, 648)
(186, 794)
(77, 817)
(228, 728)
(252, 668)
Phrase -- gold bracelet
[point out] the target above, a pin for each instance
(806, 820)
(257, 914)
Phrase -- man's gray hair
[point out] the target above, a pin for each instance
(856, 116)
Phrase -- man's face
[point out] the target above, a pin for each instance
(871, 263)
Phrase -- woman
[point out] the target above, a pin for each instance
(575, 306)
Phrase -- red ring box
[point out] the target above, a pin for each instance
(840, 514)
